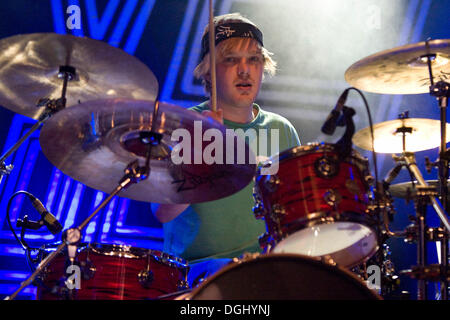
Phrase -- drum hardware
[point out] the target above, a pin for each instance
(307, 212)
(91, 141)
(390, 136)
(419, 231)
(51, 107)
(88, 268)
(332, 198)
(431, 272)
(146, 277)
(409, 70)
(272, 182)
(326, 167)
(441, 90)
(133, 174)
(55, 60)
(120, 272)
(389, 280)
(34, 65)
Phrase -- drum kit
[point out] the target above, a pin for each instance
(327, 218)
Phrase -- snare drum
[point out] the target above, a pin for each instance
(282, 277)
(112, 272)
(316, 205)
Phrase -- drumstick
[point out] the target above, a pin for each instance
(212, 56)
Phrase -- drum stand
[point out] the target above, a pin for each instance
(422, 234)
(51, 107)
(72, 236)
(441, 90)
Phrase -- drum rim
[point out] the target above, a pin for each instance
(341, 252)
(313, 260)
(306, 149)
(124, 251)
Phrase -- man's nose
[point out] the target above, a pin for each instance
(243, 67)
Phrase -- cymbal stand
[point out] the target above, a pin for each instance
(72, 236)
(425, 195)
(441, 90)
(51, 107)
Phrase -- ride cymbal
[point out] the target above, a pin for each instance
(408, 189)
(401, 70)
(420, 134)
(93, 143)
(30, 71)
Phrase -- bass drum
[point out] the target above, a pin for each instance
(282, 277)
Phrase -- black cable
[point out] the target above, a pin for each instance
(8, 219)
(374, 154)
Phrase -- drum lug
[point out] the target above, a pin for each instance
(278, 210)
(259, 211)
(182, 285)
(264, 240)
(88, 269)
(326, 167)
(369, 179)
(271, 183)
(332, 197)
(145, 278)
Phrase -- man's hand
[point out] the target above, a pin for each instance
(167, 212)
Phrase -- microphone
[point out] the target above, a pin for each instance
(392, 175)
(49, 219)
(332, 120)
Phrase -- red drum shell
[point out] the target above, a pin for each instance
(301, 191)
(111, 272)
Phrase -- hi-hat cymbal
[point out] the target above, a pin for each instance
(30, 64)
(93, 143)
(407, 189)
(401, 70)
(421, 134)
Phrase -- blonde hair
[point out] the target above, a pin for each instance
(203, 68)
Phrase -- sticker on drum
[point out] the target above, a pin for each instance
(282, 277)
(316, 205)
(112, 272)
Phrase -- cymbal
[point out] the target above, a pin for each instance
(401, 70)
(93, 143)
(424, 134)
(407, 189)
(29, 68)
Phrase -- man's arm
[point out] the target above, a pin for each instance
(167, 212)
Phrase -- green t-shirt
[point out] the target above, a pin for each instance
(226, 228)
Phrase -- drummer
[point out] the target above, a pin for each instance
(208, 235)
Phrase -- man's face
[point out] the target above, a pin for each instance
(239, 74)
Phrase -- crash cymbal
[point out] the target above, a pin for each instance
(421, 134)
(401, 70)
(408, 189)
(30, 64)
(93, 143)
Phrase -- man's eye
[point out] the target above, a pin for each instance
(230, 59)
(256, 59)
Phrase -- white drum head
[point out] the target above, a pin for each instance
(347, 243)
